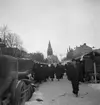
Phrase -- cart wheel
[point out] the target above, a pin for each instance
(29, 92)
(20, 94)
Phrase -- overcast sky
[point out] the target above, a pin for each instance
(63, 22)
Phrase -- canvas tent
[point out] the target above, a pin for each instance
(92, 63)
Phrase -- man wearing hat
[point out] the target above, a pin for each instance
(73, 76)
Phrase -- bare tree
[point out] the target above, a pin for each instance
(17, 41)
(38, 56)
(3, 33)
(10, 40)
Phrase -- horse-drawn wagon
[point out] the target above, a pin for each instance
(12, 90)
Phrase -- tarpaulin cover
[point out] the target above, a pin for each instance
(8, 72)
(97, 61)
(89, 65)
(24, 64)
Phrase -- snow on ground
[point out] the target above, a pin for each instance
(60, 93)
(95, 86)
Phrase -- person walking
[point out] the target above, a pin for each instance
(73, 76)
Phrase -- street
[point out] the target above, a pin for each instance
(60, 93)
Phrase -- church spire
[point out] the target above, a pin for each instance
(49, 50)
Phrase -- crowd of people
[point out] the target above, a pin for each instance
(43, 72)
(74, 71)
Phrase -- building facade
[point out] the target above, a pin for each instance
(81, 50)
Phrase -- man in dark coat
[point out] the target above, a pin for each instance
(51, 72)
(58, 72)
(73, 76)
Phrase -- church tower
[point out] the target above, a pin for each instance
(49, 50)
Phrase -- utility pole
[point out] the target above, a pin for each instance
(95, 72)
(94, 65)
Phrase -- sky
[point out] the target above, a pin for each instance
(64, 22)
